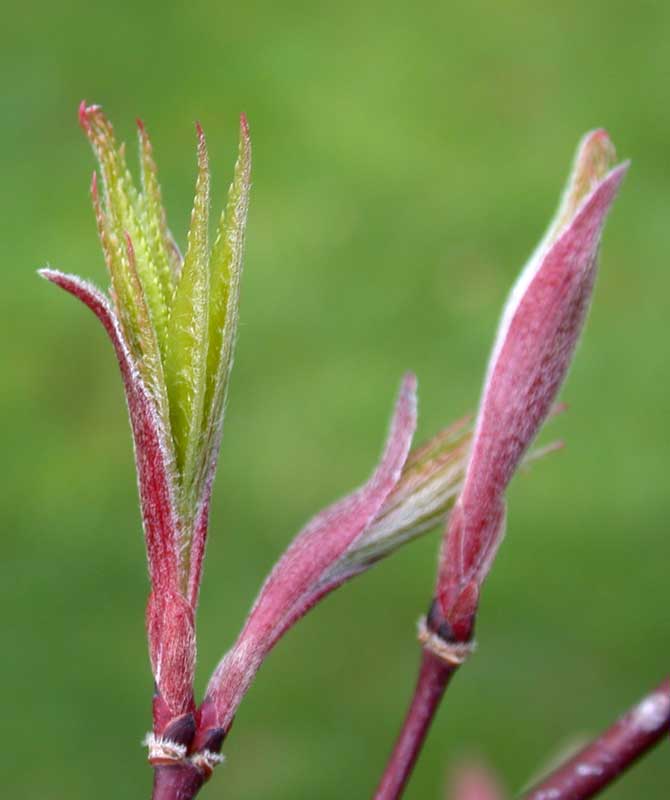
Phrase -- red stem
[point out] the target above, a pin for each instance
(178, 782)
(600, 763)
(434, 677)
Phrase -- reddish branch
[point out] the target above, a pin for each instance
(434, 677)
(443, 653)
(180, 782)
(599, 764)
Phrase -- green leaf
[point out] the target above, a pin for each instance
(225, 275)
(138, 297)
(124, 207)
(164, 255)
(186, 356)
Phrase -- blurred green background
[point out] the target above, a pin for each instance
(406, 160)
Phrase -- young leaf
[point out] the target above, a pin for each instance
(225, 274)
(140, 308)
(154, 222)
(186, 357)
(126, 213)
(537, 336)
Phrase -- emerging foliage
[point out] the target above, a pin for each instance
(173, 324)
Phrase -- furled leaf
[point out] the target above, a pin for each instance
(138, 298)
(421, 501)
(152, 214)
(428, 487)
(536, 339)
(126, 212)
(186, 357)
(225, 274)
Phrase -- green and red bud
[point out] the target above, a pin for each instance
(173, 323)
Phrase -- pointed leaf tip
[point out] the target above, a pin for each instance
(47, 273)
(82, 115)
(410, 382)
(597, 153)
(85, 112)
(595, 158)
(404, 419)
(202, 142)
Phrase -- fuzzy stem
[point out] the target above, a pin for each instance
(601, 762)
(178, 782)
(433, 679)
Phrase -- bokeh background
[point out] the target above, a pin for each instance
(407, 158)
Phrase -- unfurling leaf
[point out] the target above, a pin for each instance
(186, 357)
(162, 317)
(163, 252)
(225, 275)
